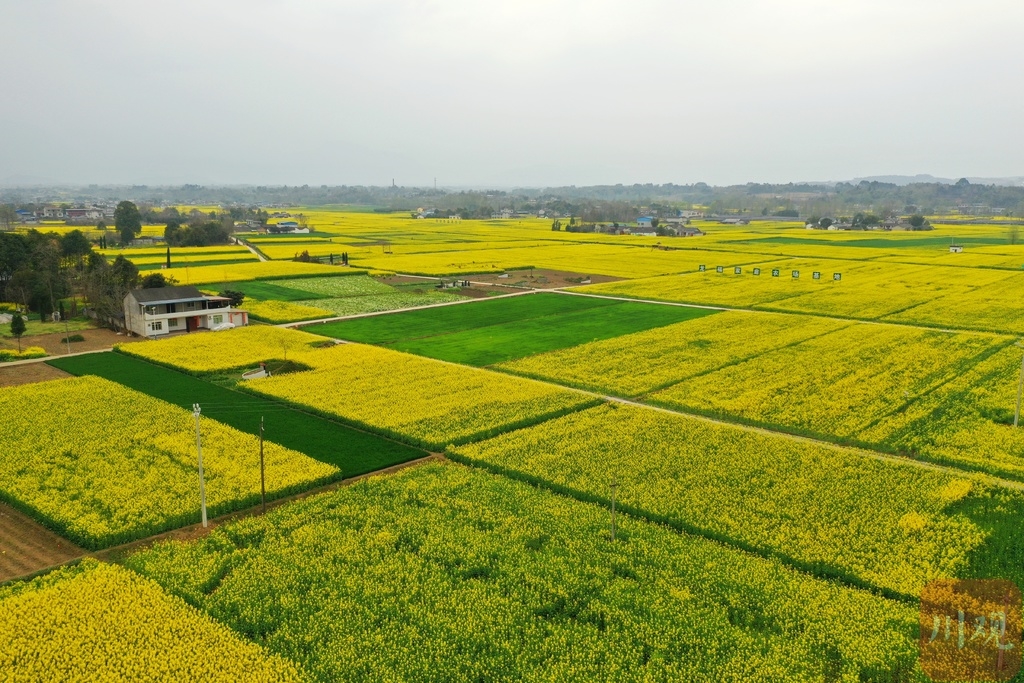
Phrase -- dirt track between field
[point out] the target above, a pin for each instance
(28, 373)
(29, 549)
(26, 546)
(96, 339)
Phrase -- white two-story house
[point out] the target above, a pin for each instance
(165, 310)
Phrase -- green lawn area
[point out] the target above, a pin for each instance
(264, 290)
(387, 329)
(34, 326)
(496, 330)
(508, 341)
(353, 451)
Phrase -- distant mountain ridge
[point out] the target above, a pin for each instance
(1013, 181)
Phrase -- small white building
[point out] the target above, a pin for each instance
(644, 222)
(164, 310)
(955, 248)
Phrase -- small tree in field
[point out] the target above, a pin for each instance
(17, 327)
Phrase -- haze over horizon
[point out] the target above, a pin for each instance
(529, 93)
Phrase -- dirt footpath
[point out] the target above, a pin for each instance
(95, 339)
(541, 278)
(487, 284)
(26, 546)
(29, 373)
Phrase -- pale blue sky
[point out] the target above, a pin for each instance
(531, 92)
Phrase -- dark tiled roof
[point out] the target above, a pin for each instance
(148, 296)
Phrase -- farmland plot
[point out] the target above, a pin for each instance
(867, 291)
(835, 385)
(352, 451)
(119, 465)
(444, 573)
(825, 509)
(636, 364)
(237, 349)
(424, 402)
(102, 622)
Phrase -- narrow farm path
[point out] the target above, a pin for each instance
(877, 455)
(33, 558)
(15, 363)
(256, 252)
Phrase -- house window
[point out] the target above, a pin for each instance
(158, 325)
(218, 319)
(172, 322)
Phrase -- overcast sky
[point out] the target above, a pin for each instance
(530, 92)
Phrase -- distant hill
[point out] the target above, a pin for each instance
(1015, 181)
(27, 181)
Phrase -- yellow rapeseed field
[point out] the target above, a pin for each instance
(824, 507)
(979, 299)
(423, 401)
(104, 464)
(837, 384)
(201, 275)
(642, 362)
(283, 311)
(25, 353)
(242, 347)
(445, 573)
(629, 260)
(100, 622)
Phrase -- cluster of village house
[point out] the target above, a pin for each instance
(888, 224)
(73, 214)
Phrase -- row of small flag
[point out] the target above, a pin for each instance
(776, 272)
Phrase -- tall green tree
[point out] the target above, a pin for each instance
(156, 281)
(18, 327)
(128, 221)
(8, 217)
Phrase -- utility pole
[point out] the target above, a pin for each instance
(67, 335)
(199, 448)
(263, 477)
(1020, 390)
(614, 485)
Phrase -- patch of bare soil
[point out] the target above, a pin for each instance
(540, 278)
(95, 339)
(29, 373)
(475, 291)
(26, 546)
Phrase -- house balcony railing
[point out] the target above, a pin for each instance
(189, 313)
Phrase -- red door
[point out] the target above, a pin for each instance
(192, 323)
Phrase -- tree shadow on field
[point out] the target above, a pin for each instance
(1000, 515)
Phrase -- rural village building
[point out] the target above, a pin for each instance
(164, 310)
